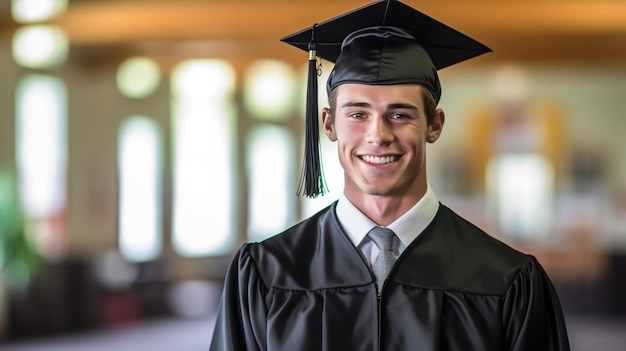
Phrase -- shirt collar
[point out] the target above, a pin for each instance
(407, 227)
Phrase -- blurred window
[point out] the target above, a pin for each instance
(138, 77)
(270, 166)
(28, 11)
(270, 88)
(203, 124)
(139, 167)
(41, 113)
(39, 46)
(520, 194)
(41, 157)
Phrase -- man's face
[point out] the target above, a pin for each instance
(381, 134)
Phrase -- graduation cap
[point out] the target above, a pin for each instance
(384, 43)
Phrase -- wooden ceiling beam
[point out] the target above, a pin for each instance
(539, 30)
(108, 22)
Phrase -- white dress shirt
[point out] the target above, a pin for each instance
(407, 228)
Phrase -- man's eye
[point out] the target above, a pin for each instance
(399, 116)
(357, 115)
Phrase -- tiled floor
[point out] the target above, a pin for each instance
(596, 334)
(586, 334)
(170, 335)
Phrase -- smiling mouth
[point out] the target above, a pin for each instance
(379, 160)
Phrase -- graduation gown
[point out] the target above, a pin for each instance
(454, 288)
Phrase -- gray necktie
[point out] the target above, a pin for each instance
(383, 238)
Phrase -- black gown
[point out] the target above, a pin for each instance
(453, 288)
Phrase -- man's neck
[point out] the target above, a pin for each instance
(384, 210)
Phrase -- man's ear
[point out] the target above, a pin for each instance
(436, 126)
(329, 124)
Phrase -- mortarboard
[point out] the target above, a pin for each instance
(383, 43)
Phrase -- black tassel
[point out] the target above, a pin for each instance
(312, 182)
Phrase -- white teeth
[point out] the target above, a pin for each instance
(379, 160)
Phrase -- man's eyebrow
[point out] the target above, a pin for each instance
(401, 105)
(355, 104)
(392, 106)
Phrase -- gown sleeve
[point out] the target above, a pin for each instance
(241, 317)
(532, 313)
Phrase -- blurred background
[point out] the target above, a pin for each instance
(143, 141)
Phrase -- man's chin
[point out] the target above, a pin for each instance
(379, 191)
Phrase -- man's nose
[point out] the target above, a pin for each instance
(379, 131)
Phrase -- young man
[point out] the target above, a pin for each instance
(386, 267)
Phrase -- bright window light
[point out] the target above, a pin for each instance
(334, 176)
(138, 77)
(28, 11)
(520, 193)
(139, 168)
(270, 163)
(270, 89)
(39, 46)
(203, 118)
(41, 150)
